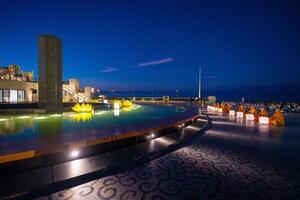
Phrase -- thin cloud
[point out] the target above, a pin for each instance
(156, 62)
(109, 69)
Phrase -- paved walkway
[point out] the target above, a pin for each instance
(232, 160)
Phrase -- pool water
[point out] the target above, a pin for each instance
(31, 132)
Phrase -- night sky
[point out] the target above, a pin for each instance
(246, 48)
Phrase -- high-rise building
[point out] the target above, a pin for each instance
(50, 73)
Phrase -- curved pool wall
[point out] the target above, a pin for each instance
(39, 134)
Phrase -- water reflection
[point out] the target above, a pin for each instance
(116, 112)
(128, 109)
(250, 123)
(263, 128)
(82, 117)
(11, 127)
(51, 126)
(181, 109)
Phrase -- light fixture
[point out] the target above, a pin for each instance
(74, 153)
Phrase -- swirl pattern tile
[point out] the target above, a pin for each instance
(228, 162)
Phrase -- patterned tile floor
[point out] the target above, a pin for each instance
(233, 160)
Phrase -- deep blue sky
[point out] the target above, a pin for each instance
(160, 44)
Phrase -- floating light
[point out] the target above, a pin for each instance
(83, 108)
(23, 117)
(82, 117)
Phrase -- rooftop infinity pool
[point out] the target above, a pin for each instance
(51, 132)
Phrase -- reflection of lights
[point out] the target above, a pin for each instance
(55, 115)
(116, 112)
(201, 120)
(248, 138)
(232, 118)
(240, 120)
(250, 123)
(74, 153)
(127, 109)
(100, 112)
(42, 117)
(76, 167)
(226, 123)
(82, 117)
(2, 120)
(263, 128)
(193, 128)
(23, 117)
(164, 141)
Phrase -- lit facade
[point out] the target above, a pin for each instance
(20, 87)
(16, 85)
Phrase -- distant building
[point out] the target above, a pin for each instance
(50, 91)
(16, 85)
(20, 88)
(50, 73)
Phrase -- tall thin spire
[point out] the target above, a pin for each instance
(199, 86)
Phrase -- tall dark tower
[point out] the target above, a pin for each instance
(50, 73)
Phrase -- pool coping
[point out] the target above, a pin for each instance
(56, 186)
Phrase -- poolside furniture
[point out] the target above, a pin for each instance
(278, 118)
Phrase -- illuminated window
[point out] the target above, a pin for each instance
(21, 95)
